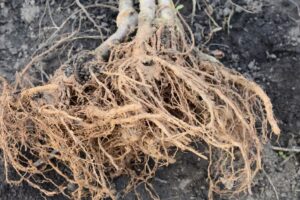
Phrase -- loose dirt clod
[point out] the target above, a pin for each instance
(155, 95)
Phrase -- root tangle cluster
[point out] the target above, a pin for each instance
(152, 98)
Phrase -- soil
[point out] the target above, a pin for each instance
(264, 46)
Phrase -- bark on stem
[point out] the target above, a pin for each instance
(145, 20)
(167, 11)
(126, 23)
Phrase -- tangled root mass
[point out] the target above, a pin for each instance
(148, 101)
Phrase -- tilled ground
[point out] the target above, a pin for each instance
(264, 46)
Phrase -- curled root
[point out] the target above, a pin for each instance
(148, 102)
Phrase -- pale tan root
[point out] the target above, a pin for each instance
(126, 23)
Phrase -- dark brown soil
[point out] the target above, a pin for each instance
(264, 46)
